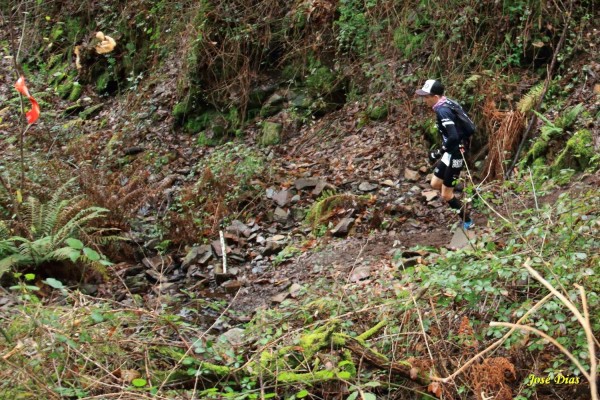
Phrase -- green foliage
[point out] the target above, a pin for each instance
(408, 42)
(50, 232)
(552, 130)
(578, 154)
(320, 80)
(492, 270)
(531, 99)
(354, 26)
(287, 253)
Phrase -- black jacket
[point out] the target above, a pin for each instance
(447, 126)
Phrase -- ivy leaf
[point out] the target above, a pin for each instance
(74, 243)
(344, 375)
(352, 396)
(91, 254)
(97, 316)
(139, 382)
(54, 283)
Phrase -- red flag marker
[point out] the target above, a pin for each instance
(33, 114)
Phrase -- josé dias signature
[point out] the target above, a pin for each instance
(559, 379)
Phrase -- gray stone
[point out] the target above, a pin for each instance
(343, 227)
(282, 198)
(197, 254)
(239, 228)
(159, 263)
(301, 101)
(367, 186)
(89, 289)
(295, 290)
(270, 192)
(304, 183)
(278, 298)
(295, 199)
(429, 194)
(322, 185)
(411, 175)
(235, 336)
(216, 246)
(280, 215)
(461, 239)
(360, 273)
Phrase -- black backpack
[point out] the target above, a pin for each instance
(466, 127)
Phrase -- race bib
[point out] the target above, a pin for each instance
(457, 163)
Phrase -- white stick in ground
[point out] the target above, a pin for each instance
(223, 251)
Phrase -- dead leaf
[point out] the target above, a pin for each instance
(435, 388)
(128, 375)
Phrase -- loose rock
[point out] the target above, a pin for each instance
(343, 227)
(367, 186)
(411, 175)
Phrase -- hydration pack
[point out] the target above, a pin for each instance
(466, 127)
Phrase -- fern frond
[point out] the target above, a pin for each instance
(64, 253)
(569, 117)
(51, 215)
(4, 231)
(36, 250)
(14, 260)
(31, 215)
(531, 99)
(75, 205)
(79, 221)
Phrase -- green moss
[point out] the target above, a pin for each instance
(407, 42)
(65, 89)
(321, 81)
(102, 82)
(181, 110)
(537, 150)
(578, 153)
(378, 112)
(75, 92)
(271, 132)
(91, 111)
(211, 119)
(367, 334)
(310, 377)
(219, 370)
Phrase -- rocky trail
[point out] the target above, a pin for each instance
(385, 206)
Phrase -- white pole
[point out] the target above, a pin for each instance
(224, 252)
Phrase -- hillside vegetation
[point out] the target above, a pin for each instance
(229, 199)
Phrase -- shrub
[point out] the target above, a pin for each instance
(51, 232)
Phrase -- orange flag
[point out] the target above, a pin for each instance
(33, 114)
